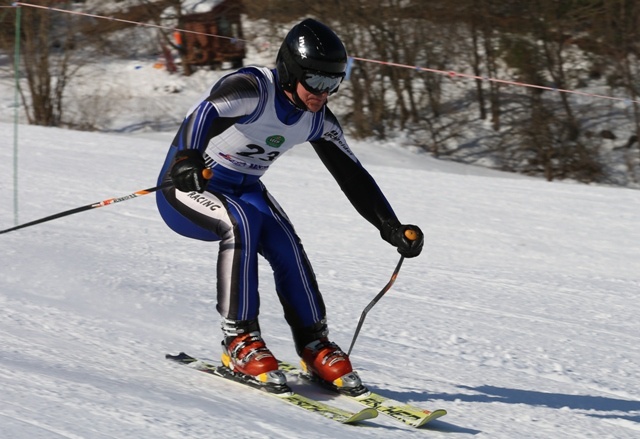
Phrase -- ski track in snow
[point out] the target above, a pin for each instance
(520, 318)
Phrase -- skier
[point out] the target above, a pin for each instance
(246, 121)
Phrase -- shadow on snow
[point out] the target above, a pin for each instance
(491, 394)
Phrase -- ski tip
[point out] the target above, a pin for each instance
(180, 357)
(432, 415)
(362, 415)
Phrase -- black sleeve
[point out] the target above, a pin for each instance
(356, 183)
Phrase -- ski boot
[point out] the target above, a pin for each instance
(326, 363)
(246, 355)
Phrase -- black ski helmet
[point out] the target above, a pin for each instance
(313, 55)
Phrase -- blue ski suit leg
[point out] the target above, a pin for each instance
(239, 212)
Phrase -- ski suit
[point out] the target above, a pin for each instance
(241, 126)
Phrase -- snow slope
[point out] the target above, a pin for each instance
(520, 318)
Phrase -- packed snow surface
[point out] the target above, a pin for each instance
(520, 318)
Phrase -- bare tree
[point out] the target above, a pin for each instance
(47, 47)
(532, 130)
(618, 23)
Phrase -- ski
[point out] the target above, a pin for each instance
(408, 414)
(400, 411)
(282, 393)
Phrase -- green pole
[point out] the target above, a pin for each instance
(16, 115)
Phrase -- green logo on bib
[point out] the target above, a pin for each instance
(275, 141)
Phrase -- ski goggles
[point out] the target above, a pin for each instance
(318, 83)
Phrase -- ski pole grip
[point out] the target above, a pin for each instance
(207, 173)
(411, 234)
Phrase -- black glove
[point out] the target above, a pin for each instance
(406, 237)
(186, 172)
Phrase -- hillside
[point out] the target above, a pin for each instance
(520, 318)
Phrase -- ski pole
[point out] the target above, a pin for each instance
(412, 236)
(207, 173)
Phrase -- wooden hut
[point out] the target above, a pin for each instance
(225, 49)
